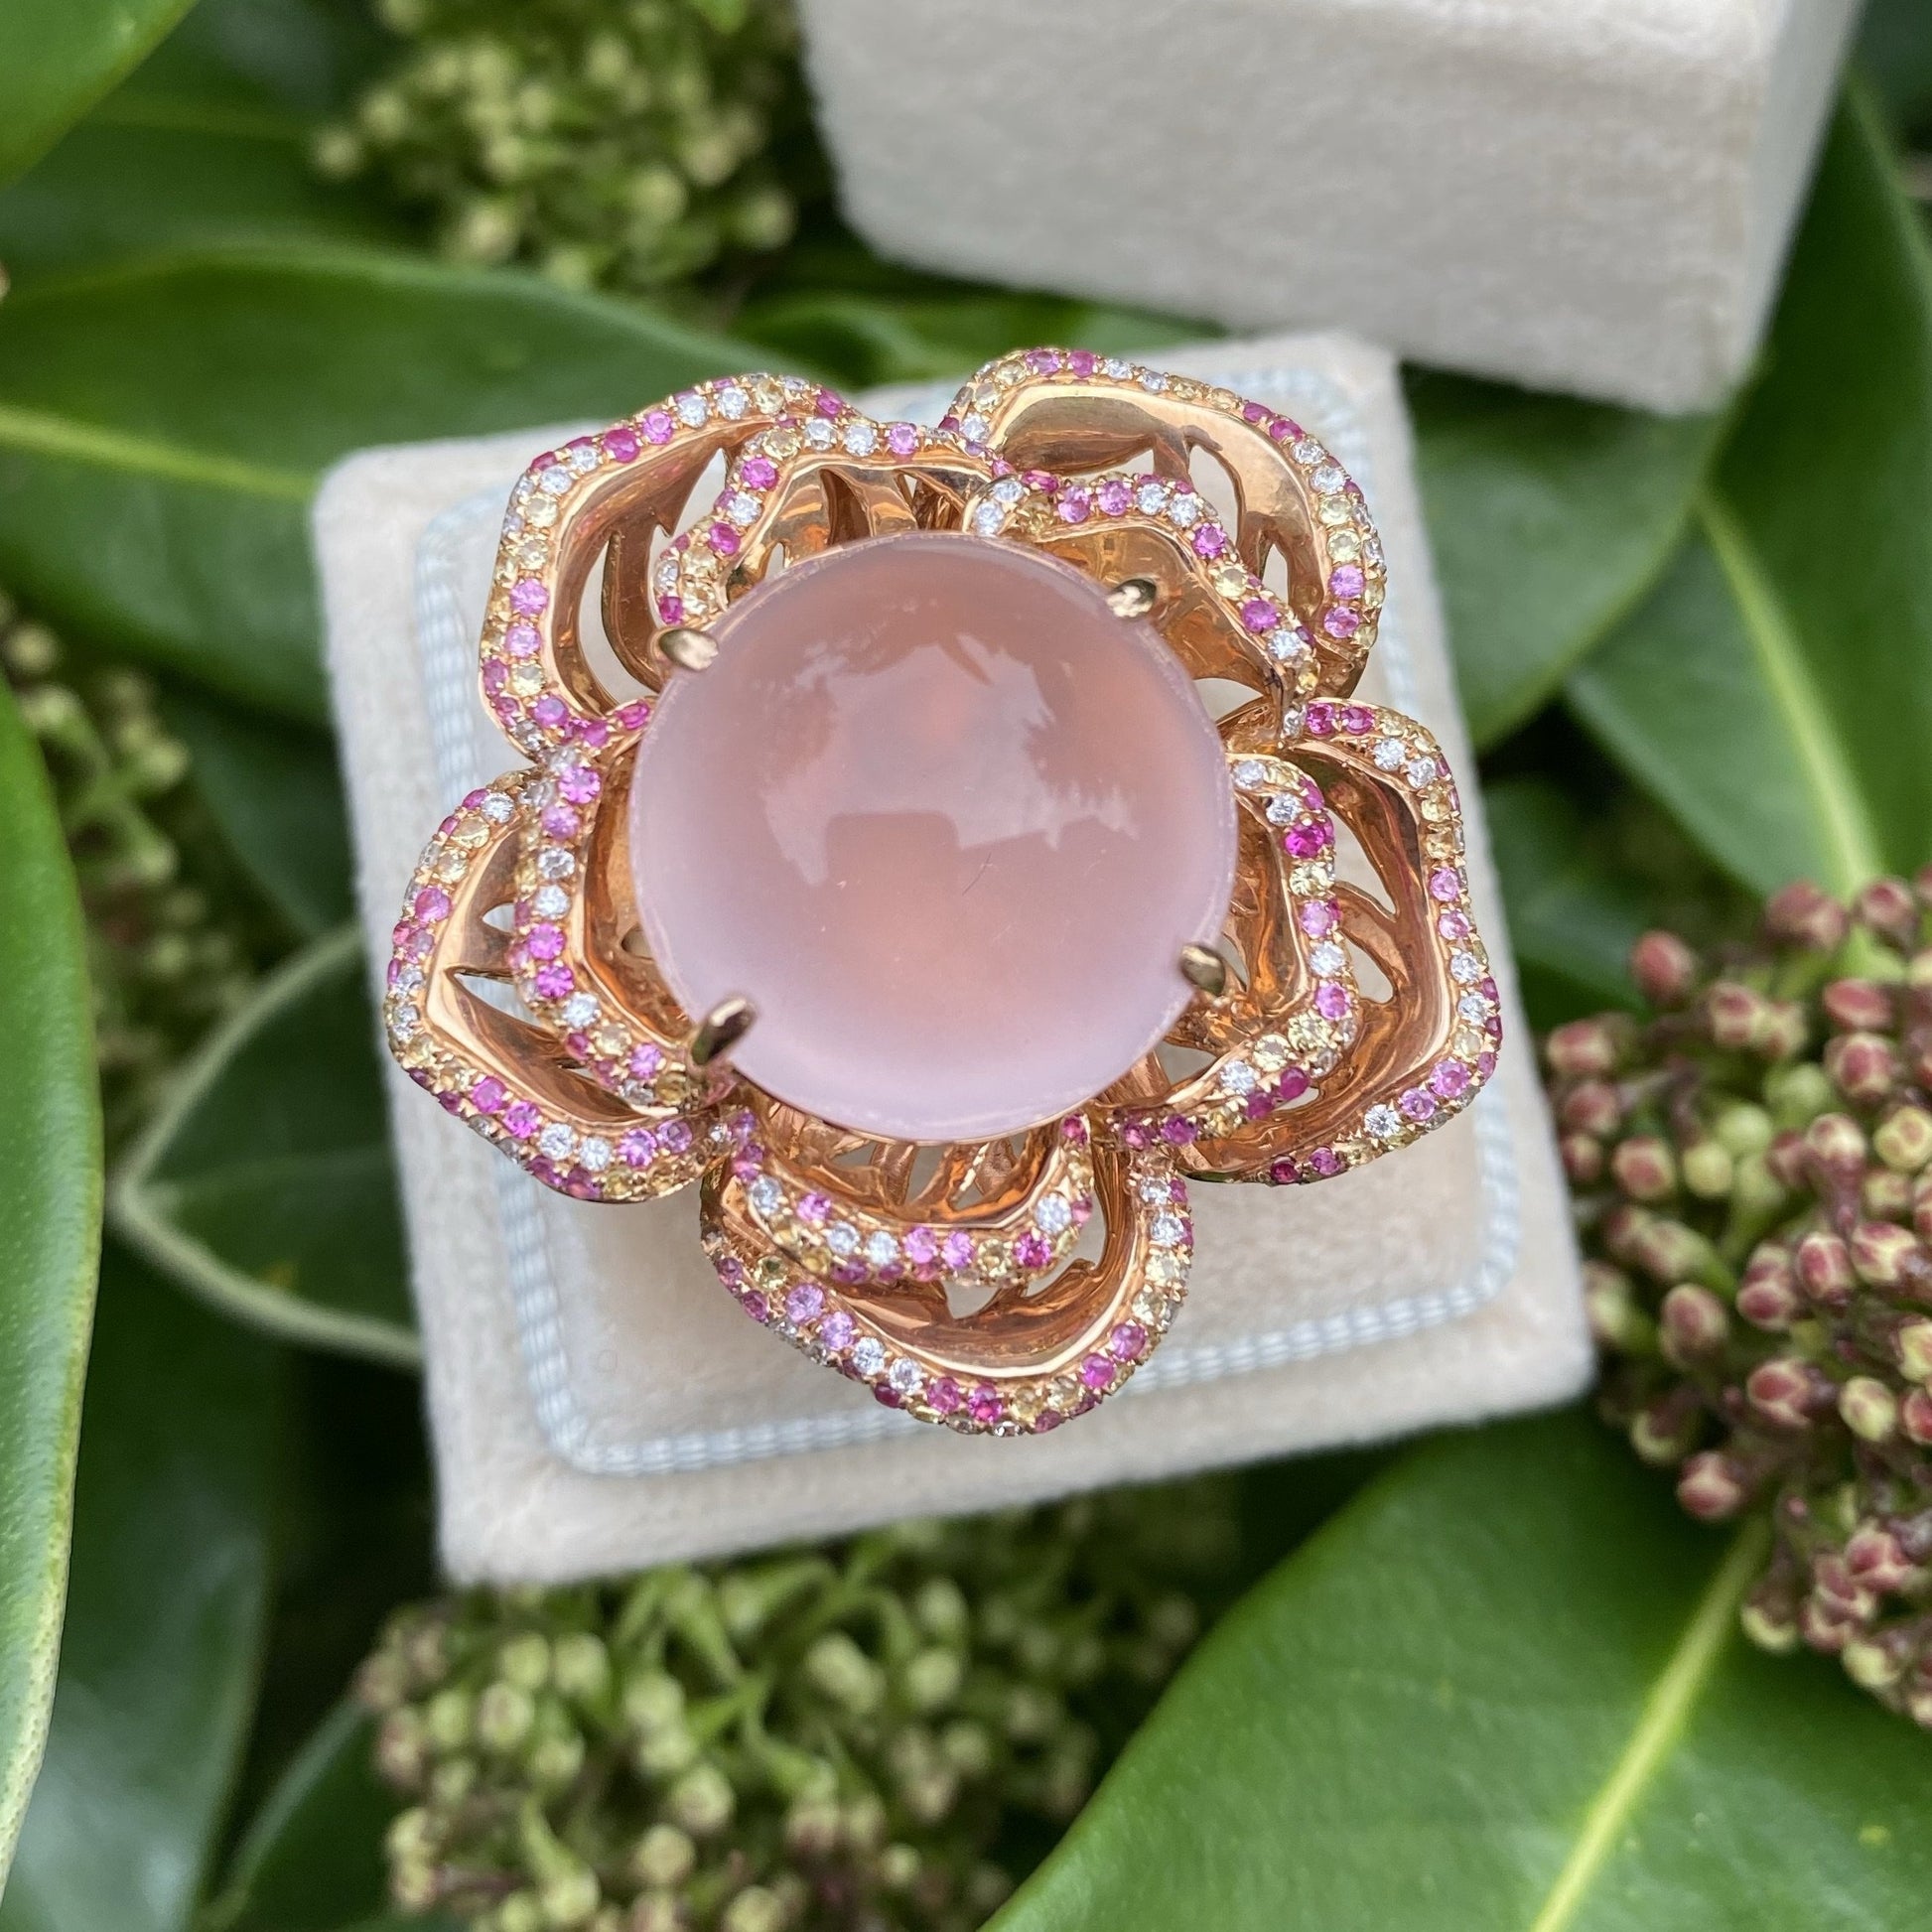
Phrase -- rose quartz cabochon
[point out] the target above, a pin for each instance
(947, 822)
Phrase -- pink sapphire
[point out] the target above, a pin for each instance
(1176, 1129)
(528, 598)
(1341, 621)
(522, 641)
(829, 402)
(1211, 540)
(921, 1247)
(1332, 1001)
(621, 445)
(1325, 1160)
(489, 1094)
(1304, 840)
(1319, 917)
(1048, 1421)
(549, 712)
(561, 822)
(1322, 719)
(1453, 925)
(956, 1251)
(1292, 1084)
(544, 942)
(1418, 1103)
(634, 716)
(1259, 614)
(674, 1137)
(1096, 1372)
(757, 473)
(1283, 1173)
(902, 439)
(1081, 362)
(1074, 506)
(948, 821)
(1126, 1341)
(803, 1303)
(522, 1119)
(496, 675)
(1357, 719)
(1445, 883)
(1033, 1251)
(670, 609)
(984, 1404)
(1345, 580)
(1252, 412)
(757, 1307)
(724, 539)
(432, 903)
(837, 1331)
(637, 1148)
(1115, 496)
(945, 1395)
(555, 982)
(1450, 1079)
(645, 1060)
(658, 426)
(579, 784)
(814, 1209)
(1043, 361)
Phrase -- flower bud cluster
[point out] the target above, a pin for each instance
(619, 144)
(166, 925)
(1751, 1167)
(809, 1741)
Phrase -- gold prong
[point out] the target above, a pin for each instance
(688, 649)
(1134, 597)
(1204, 969)
(721, 1029)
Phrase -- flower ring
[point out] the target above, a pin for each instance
(919, 908)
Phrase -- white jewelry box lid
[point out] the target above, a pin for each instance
(599, 1403)
(1586, 194)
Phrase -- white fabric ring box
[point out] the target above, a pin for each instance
(1581, 195)
(596, 1399)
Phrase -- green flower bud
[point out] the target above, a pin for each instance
(337, 153)
(554, 1762)
(526, 1662)
(452, 1781)
(1903, 1140)
(1912, 1346)
(897, 1868)
(1707, 1169)
(1031, 1715)
(862, 1824)
(702, 1801)
(754, 1909)
(1870, 1409)
(941, 1609)
(1797, 1094)
(664, 1753)
(931, 1680)
(844, 1673)
(411, 1835)
(663, 1858)
(1740, 1128)
(523, 1911)
(967, 1746)
(656, 1912)
(580, 1667)
(1173, 1621)
(812, 1828)
(449, 1718)
(382, 1682)
(653, 1700)
(504, 1715)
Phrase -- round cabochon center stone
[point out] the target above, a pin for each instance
(946, 821)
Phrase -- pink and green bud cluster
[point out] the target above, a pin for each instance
(810, 1740)
(625, 146)
(1751, 1164)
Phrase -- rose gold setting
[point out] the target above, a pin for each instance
(1004, 1285)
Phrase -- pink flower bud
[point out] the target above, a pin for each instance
(1885, 907)
(1768, 1296)
(1789, 1160)
(1857, 1007)
(1915, 1417)
(1665, 969)
(1733, 1013)
(1875, 1560)
(1592, 1107)
(1864, 1067)
(1870, 1409)
(1783, 1391)
(1644, 1168)
(1709, 1487)
(1883, 1252)
(1911, 1347)
(1587, 1047)
(1694, 1323)
(1826, 1626)
(1770, 1618)
(1663, 1431)
(1804, 915)
(1782, 1033)
(1668, 1250)
(1903, 1139)
(1876, 1662)
(1824, 1265)
(1582, 1159)
(1834, 1586)
(1885, 1196)
(1836, 1146)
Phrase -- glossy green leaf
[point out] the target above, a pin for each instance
(1572, 917)
(60, 57)
(162, 426)
(273, 790)
(1775, 692)
(1550, 519)
(1504, 1689)
(266, 1184)
(207, 141)
(170, 1577)
(50, 1236)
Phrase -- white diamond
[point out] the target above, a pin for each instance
(1466, 968)
(404, 1021)
(407, 980)
(1117, 369)
(1383, 1122)
(1150, 499)
(1167, 1230)
(861, 438)
(553, 862)
(498, 807)
(556, 480)
(988, 519)
(733, 402)
(795, 385)
(1238, 1077)
(1249, 772)
(1053, 1215)
(842, 1238)
(868, 1354)
(907, 1376)
(1390, 753)
(595, 1154)
(1328, 479)
(1009, 491)
(975, 428)
(1423, 771)
(880, 1249)
(740, 508)
(1288, 643)
(668, 574)
(1283, 810)
(765, 1195)
(584, 459)
(1328, 959)
(1185, 508)
(556, 1141)
(1154, 382)
(1473, 1008)
(1307, 451)
(550, 902)
(820, 433)
(580, 1009)
(691, 408)
(1153, 1190)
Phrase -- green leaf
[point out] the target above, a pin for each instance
(1550, 519)
(1504, 1689)
(207, 142)
(273, 790)
(1573, 919)
(50, 1238)
(170, 1578)
(1775, 693)
(163, 424)
(265, 1184)
(62, 56)
(312, 1859)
